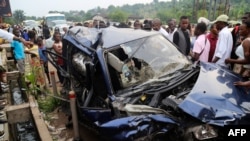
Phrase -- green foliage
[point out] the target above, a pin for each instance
(32, 88)
(48, 104)
(32, 78)
(164, 15)
(118, 15)
(202, 13)
(18, 16)
(9, 20)
(31, 18)
(87, 16)
(160, 9)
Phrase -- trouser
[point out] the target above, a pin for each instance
(21, 65)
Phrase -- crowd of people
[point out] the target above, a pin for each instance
(204, 41)
(25, 42)
(216, 41)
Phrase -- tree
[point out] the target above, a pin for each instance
(9, 20)
(30, 18)
(156, 1)
(160, 9)
(118, 16)
(111, 8)
(87, 16)
(18, 16)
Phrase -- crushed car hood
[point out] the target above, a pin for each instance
(215, 100)
(128, 128)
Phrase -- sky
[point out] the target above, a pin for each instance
(40, 8)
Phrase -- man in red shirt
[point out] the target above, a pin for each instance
(212, 36)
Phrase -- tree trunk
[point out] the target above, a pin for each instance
(225, 9)
(228, 7)
(194, 6)
(215, 8)
(210, 9)
(219, 9)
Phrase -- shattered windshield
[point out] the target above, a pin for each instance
(149, 58)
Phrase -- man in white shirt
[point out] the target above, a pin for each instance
(171, 29)
(157, 26)
(225, 41)
(10, 37)
(6, 35)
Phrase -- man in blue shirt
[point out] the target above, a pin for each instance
(18, 50)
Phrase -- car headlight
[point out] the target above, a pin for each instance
(205, 131)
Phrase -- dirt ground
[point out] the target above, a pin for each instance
(57, 126)
(59, 131)
(58, 121)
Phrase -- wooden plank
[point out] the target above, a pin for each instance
(5, 45)
(39, 121)
(18, 113)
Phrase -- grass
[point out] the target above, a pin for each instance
(48, 104)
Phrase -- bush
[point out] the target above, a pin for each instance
(48, 104)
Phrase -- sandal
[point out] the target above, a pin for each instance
(2, 121)
(3, 102)
(2, 133)
(2, 97)
(2, 115)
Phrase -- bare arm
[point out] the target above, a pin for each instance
(245, 84)
(246, 59)
(246, 48)
(26, 43)
(215, 59)
(195, 55)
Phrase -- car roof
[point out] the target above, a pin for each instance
(110, 36)
(113, 36)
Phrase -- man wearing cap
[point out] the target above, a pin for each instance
(225, 41)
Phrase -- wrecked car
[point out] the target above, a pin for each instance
(136, 85)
